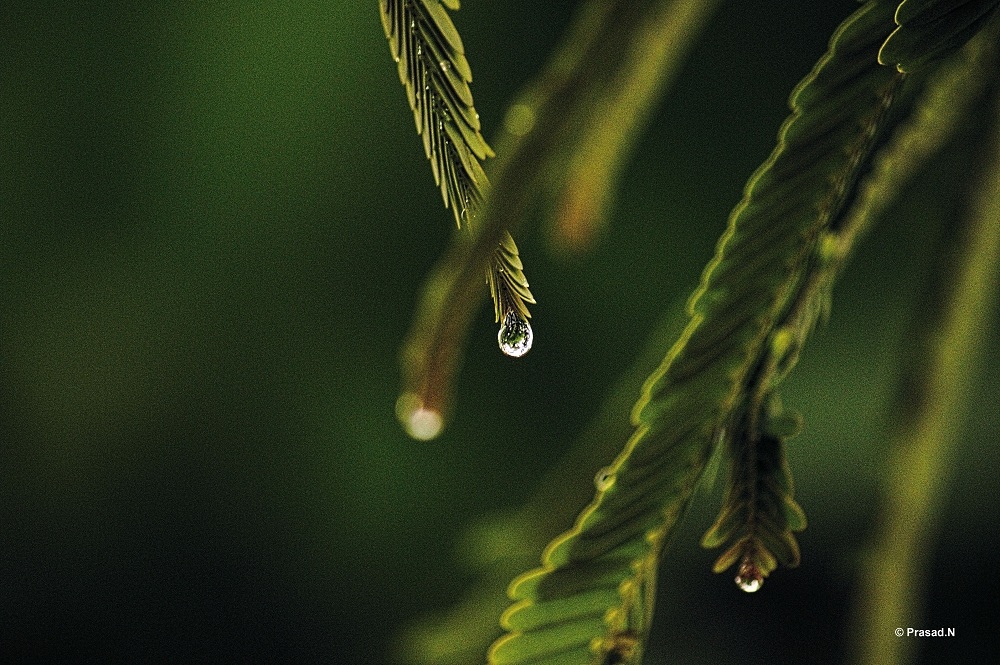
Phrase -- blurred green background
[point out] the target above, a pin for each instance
(214, 220)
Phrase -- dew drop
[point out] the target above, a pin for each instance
(419, 421)
(604, 479)
(420, 50)
(445, 65)
(515, 335)
(749, 577)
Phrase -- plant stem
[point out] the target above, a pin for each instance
(924, 441)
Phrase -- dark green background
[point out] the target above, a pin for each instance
(214, 220)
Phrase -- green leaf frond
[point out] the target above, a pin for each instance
(931, 29)
(575, 122)
(507, 281)
(758, 513)
(497, 548)
(432, 66)
(436, 74)
(749, 318)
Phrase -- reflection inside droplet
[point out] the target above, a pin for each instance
(515, 335)
(749, 577)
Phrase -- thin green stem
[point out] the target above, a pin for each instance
(924, 442)
(632, 46)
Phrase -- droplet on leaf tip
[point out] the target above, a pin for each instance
(420, 422)
(749, 577)
(515, 335)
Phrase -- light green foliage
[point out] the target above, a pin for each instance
(564, 139)
(759, 299)
(432, 66)
(835, 164)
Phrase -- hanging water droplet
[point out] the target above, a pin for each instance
(515, 335)
(604, 479)
(421, 422)
(749, 577)
(413, 25)
(420, 49)
(445, 65)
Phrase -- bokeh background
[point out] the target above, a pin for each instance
(214, 221)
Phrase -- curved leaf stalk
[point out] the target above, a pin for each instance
(594, 591)
(950, 338)
(501, 546)
(946, 99)
(432, 67)
(601, 132)
(599, 53)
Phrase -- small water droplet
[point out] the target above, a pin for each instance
(515, 335)
(419, 421)
(749, 577)
(420, 49)
(413, 25)
(445, 65)
(396, 58)
(604, 479)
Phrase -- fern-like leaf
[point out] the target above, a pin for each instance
(931, 29)
(433, 68)
(758, 512)
(592, 599)
(566, 135)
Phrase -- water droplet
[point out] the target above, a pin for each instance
(396, 58)
(749, 577)
(515, 335)
(420, 422)
(604, 479)
(445, 65)
(413, 25)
